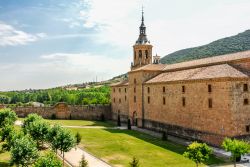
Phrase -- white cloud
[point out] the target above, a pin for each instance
(59, 69)
(11, 36)
(171, 25)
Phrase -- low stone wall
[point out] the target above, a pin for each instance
(64, 111)
(186, 133)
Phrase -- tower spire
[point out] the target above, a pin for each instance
(142, 37)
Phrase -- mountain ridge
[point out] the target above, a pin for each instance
(232, 44)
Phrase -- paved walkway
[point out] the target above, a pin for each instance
(74, 156)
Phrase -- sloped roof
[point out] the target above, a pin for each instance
(210, 72)
(151, 67)
(222, 59)
(121, 83)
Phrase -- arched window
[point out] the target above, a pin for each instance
(140, 54)
(135, 54)
(146, 53)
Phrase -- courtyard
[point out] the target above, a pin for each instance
(117, 147)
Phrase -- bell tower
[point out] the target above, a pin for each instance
(142, 48)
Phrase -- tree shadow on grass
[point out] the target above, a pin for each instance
(168, 145)
(4, 164)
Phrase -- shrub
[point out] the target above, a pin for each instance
(134, 162)
(78, 138)
(198, 152)
(118, 120)
(83, 162)
(164, 136)
(129, 124)
(236, 147)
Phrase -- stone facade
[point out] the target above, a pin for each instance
(205, 100)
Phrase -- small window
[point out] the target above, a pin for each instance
(114, 100)
(183, 89)
(247, 128)
(164, 100)
(120, 90)
(245, 88)
(163, 89)
(135, 54)
(134, 89)
(125, 90)
(146, 53)
(135, 99)
(125, 98)
(148, 99)
(210, 103)
(246, 102)
(148, 89)
(134, 81)
(114, 90)
(120, 101)
(183, 101)
(209, 88)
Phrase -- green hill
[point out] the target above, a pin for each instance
(239, 42)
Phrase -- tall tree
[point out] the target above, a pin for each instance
(23, 151)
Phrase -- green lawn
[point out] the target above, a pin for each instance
(78, 122)
(117, 147)
(81, 123)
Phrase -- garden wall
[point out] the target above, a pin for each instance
(64, 111)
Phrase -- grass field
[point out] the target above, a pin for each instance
(117, 147)
(78, 122)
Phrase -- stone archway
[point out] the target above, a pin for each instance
(62, 111)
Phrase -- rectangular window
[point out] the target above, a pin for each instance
(148, 89)
(120, 101)
(183, 101)
(210, 103)
(164, 100)
(183, 89)
(114, 100)
(125, 98)
(120, 90)
(114, 90)
(245, 88)
(134, 99)
(163, 89)
(247, 128)
(246, 102)
(134, 81)
(125, 90)
(148, 99)
(134, 89)
(209, 87)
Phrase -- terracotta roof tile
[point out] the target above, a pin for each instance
(151, 67)
(210, 72)
(121, 83)
(222, 59)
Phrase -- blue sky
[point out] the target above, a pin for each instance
(47, 43)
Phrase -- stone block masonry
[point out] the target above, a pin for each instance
(64, 111)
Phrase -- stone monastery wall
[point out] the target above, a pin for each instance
(64, 111)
